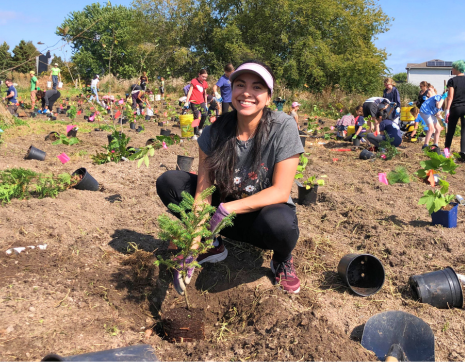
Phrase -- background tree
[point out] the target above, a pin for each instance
(6, 59)
(400, 77)
(104, 40)
(24, 56)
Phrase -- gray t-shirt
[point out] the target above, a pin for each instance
(283, 142)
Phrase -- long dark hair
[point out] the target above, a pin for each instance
(222, 159)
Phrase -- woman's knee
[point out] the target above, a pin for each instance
(279, 221)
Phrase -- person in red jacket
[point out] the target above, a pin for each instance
(197, 100)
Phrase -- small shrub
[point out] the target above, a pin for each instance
(399, 175)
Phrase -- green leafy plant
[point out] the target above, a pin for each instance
(399, 175)
(312, 181)
(19, 183)
(438, 163)
(303, 161)
(191, 227)
(386, 150)
(72, 112)
(63, 140)
(435, 200)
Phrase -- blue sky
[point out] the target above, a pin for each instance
(422, 29)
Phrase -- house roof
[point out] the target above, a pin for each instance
(435, 63)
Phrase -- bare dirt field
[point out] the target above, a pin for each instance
(95, 286)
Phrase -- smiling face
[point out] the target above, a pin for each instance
(249, 95)
(203, 77)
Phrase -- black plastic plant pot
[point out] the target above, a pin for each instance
(356, 142)
(441, 289)
(133, 151)
(33, 114)
(132, 125)
(307, 196)
(165, 132)
(68, 108)
(110, 138)
(303, 139)
(184, 163)
(147, 118)
(363, 273)
(87, 181)
(52, 136)
(160, 124)
(72, 132)
(58, 110)
(53, 118)
(140, 352)
(35, 154)
(150, 141)
(86, 117)
(366, 155)
(139, 129)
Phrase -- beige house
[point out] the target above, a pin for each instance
(434, 71)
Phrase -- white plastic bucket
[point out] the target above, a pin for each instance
(157, 97)
(49, 84)
(151, 97)
(60, 84)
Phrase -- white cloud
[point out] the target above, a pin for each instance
(8, 17)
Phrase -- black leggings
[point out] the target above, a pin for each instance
(197, 113)
(225, 107)
(455, 114)
(274, 227)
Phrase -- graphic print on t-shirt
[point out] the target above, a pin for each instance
(247, 182)
(199, 87)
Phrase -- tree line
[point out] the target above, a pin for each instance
(309, 44)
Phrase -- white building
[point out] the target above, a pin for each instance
(434, 71)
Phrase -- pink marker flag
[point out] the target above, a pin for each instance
(165, 114)
(120, 101)
(63, 158)
(92, 118)
(382, 178)
(195, 122)
(164, 145)
(331, 128)
(69, 128)
(446, 152)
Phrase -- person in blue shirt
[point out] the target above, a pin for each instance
(416, 113)
(279, 103)
(11, 96)
(225, 87)
(385, 127)
(429, 111)
(359, 123)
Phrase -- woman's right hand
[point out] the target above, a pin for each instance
(447, 116)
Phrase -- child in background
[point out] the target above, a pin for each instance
(429, 111)
(212, 104)
(359, 123)
(279, 103)
(293, 113)
(383, 127)
(162, 88)
(416, 113)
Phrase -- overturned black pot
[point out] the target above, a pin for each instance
(52, 136)
(306, 196)
(150, 141)
(35, 154)
(53, 118)
(132, 150)
(366, 155)
(160, 124)
(140, 352)
(184, 163)
(363, 273)
(139, 129)
(441, 289)
(165, 132)
(86, 118)
(72, 132)
(87, 181)
(33, 114)
(147, 118)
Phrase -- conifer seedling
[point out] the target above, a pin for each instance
(194, 223)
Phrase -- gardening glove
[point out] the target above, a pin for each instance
(410, 104)
(186, 105)
(179, 281)
(220, 100)
(218, 216)
(354, 137)
(447, 116)
(217, 95)
(444, 96)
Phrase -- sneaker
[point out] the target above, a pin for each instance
(363, 140)
(286, 276)
(215, 254)
(424, 146)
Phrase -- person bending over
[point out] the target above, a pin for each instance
(251, 155)
(385, 127)
(48, 99)
(429, 111)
